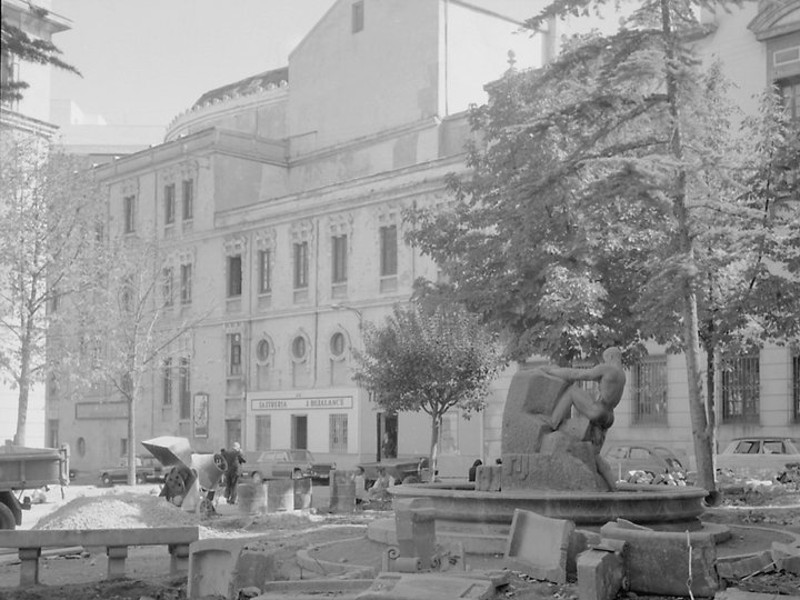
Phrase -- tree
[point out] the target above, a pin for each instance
(430, 360)
(123, 329)
(603, 185)
(50, 209)
(14, 42)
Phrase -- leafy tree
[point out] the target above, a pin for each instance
(50, 208)
(430, 360)
(604, 195)
(14, 42)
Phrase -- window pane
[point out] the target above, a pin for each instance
(339, 255)
(129, 214)
(338, 433)
(167, 286)
(167, 381)
(301, 265)
(188, 199)
(185, 408)
(234, 276)
(186, 284)
(389, 250)
(235, 354)
(169, 203)
(263, 432)
(264, 274)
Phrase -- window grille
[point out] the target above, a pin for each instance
(740, 389)
(338, 434)
(649, 390)
(263, 432)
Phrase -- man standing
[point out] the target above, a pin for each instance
(234, 459)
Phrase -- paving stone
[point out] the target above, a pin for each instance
(600, 574)
(738, 566)
(667, 554)
(477, 585)
(786, 557)
(539, 545)
(737, 594)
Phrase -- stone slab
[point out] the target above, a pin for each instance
(786, 557)
(667, 553)
(539, 545)
(530, 393)
(61, 538)
(342, 488)
(739, 566)
(212, 563)
(488, 478)
(600, 574)
(562, 472)
(477, 585)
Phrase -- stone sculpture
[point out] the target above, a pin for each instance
(543, 446)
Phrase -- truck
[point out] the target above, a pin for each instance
(23, 469)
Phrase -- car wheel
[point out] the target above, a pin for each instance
(6, 517)
(106, 479)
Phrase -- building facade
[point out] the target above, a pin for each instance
(279, 199)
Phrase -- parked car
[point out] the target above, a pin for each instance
(282, 463)
(652, 461)
(759, 457)
(148, 470)
(414, 469)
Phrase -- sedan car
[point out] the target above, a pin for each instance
(284, 463)
(759, 457)
(652, 461)
(148, 470)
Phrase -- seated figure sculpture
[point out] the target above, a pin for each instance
(546, 445)
(599, 410)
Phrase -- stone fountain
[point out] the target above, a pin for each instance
(552, 434)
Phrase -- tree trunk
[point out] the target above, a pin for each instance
(131, 429)
(436, 426)
(24, 390)
(691, 335)
(711, 413)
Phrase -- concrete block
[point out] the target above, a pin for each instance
(211, 567)
(600, 574)
(415, 524)
(475, 585)
(786, 557)
(734, 568)
(116, 561)
(667, 554)
(342, 489)
(539, 545)
(488, 478)
(29, 566)
(280, 494)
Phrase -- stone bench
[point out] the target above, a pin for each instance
(116, 542)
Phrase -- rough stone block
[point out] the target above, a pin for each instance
(547, 472)
(531, 393)
(580, 540)
(738, 566)
(488, 478)
(539, 545)
(475, 585)
(667, 553)
(255, 567)
(342, 489)
(280, 494)
(786, 557)
(600, 574)
(415, 524)
(211, 567)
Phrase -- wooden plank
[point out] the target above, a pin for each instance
(58, 538)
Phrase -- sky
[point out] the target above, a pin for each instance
(145, 61)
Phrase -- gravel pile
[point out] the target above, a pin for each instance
(117, 511)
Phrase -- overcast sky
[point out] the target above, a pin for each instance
(145, 61)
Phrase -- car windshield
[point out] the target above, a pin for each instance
(301, 455)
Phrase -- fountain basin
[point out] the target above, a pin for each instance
(481, 520)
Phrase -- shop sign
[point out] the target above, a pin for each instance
(335, 402)
(101, 410)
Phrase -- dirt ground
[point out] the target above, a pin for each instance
(80, 575)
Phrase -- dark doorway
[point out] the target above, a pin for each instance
(300, 432)
(387, 436)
